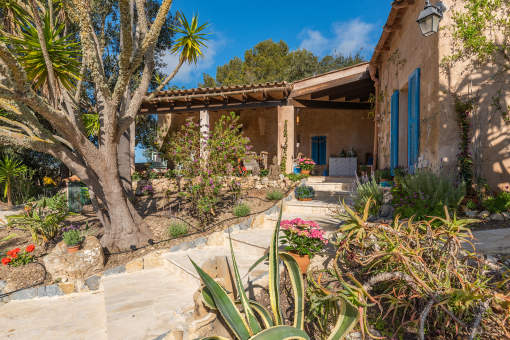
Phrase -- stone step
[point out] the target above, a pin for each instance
(179, 263)
(333, 187)
(141, 305)
(252, 241)
(315, 206)
(328, 179)
(340, 194)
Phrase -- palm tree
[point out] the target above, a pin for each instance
(10, 168)
(189, 46)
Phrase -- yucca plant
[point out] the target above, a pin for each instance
(9, 169)
(247, 327)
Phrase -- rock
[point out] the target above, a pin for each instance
(497, 217)
(153, 260)
(491, 259)
(201, 240)
(281, 176)
(64, 279)
(175, 248)
(49, 291)
(83, 263)
(243, 226)
(258, 186)
(484, 214)
(505, 215)
(93, 282)
(135, 266)
(354, 336)
(216, 239)
(66, 288)
(232, 229)
(264, 181)
(114, 271)
(472, 214)
(187, 245)
(25, 294)
(2, 284)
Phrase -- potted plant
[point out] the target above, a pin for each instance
(306, 165)
(304, 193)
(363, 168)
(304, 239)
(399, 172)
(73, 236)
(385, 174)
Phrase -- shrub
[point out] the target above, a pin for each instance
(235, 187)
(363, 167)
(296, 177)
(471, 205)
(15, 257)
(383, 174)
(171, 173)
(241, 210)
(425, 193)
(303, 238)
(274, 195)
(203, 159)
(137, 175)
(177, 229)
(304, 191)
(263, 172)
(58, 203)
(363, 189)
(153, 174)
(498, 204)
(148, 190)
(399, 171)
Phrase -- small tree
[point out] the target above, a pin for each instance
(202, 158)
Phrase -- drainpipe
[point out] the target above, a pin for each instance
(373, 70)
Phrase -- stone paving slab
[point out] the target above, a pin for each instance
(490, 242)
(141, 305)
(78, 316)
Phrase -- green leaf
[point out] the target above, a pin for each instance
(214, 338)
(226, 306)
(261, 311)
(298, 287)
(274, 274)
(281, 333)
(252, 320)
(207, 298)
(347, 319)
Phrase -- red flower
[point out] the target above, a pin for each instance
(244, 169)
(30, 248)
(9, 253)
(15, 251)
(5, 261)
(13, 256)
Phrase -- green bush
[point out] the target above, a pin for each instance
(296, 177)
(425, 193)
(471, 205)
(137, 175)
(383, 174)
(171, 174)
(263, 172)
(241, 210)
(364, 189)
(177, 229)
(274, 195)
(498, 204)
(153, 174)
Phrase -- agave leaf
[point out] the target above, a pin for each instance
(298, 287)
(252, 320)
(348, 316)
(264, 257)
(261, 311)
(226, 306)
(281, 333)
(274, 274)
(207, 298)
(8, 237)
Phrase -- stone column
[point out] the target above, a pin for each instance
(286, 113)
(204, 128)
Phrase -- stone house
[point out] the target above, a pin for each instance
(416, 120)
(325, 114)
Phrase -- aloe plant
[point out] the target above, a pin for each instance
(247, 327)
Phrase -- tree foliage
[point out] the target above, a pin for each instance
(270, 61)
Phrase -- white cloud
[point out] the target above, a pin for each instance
(313, 41)
(345, 37)
(190, 74)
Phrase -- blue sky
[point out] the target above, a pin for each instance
(320, 26)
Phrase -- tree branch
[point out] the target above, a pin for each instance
(167, 79)
(126, 36)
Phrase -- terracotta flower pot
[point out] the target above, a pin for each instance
(304, 199)
(302, 260)
(73, 249)
(384, 180)
(305, 172)
(363, 173)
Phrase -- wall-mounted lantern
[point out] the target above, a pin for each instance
(429, 18)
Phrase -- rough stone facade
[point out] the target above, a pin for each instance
(439, 130)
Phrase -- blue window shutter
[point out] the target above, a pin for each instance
(414, 118)
(322, 150)
(394, 130)
(315, 149)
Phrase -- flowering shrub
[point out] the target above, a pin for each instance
(153, 174)
(137, 175)
(148, 190)
(235, 187)
(304, 191)
(303, 238)
(17, 258)
(204, 158)
(306, 164)
(72, 236)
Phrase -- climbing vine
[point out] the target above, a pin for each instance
(463, 108)
(284, 157)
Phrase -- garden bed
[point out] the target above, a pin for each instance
(154, 210)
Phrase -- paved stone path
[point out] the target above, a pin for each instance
(142, 305)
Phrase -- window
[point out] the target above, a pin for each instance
(413, 118)
(394, 130)
(319, 150)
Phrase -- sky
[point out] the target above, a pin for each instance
(320, 26)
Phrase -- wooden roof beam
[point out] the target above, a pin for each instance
(359, 95)
(353, 91)
(316, 104)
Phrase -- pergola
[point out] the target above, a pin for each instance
(344, 89)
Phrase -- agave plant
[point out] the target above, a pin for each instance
(247, 327)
